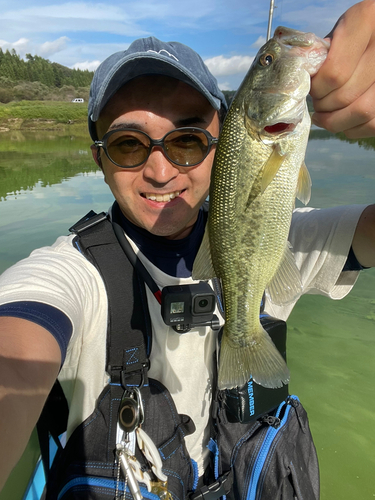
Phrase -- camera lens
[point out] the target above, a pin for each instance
(203, 303)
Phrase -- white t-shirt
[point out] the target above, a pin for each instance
(61, 277)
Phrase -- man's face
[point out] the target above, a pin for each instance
(157, 105)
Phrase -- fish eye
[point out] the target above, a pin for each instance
(266, 59)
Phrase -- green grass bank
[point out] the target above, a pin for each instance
(41, 115)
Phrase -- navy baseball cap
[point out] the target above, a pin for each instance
(150, 56)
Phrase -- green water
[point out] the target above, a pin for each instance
(47, 182)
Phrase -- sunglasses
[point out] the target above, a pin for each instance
(129, 148)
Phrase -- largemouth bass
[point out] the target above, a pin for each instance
(257, 173)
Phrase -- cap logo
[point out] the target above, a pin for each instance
(166, 52)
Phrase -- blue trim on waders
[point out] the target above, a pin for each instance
(196, 474)
(213, 447)
(36, 484)
(37, 481)
(109, 484)
(265, 448)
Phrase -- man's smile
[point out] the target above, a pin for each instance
(161, 197)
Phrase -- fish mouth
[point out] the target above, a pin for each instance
(279, 128)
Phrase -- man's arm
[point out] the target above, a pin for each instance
(343, 93)
(30, 359)
(343, 90)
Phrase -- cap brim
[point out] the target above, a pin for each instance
(140, 64)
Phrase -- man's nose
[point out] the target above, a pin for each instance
(159, 168)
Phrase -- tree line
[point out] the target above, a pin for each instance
(36, 78)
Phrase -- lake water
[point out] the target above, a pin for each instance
(49, 181)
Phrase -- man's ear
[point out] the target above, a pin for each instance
(96, 155)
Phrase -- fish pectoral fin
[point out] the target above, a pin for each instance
(203, 268)
(271, 167)
(285, 286)
(304, 185)
(260, 360)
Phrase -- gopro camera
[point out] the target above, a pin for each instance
(184, 306)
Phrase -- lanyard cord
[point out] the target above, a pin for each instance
(129, 252)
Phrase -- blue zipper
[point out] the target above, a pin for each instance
(264, 449)
(97, 482)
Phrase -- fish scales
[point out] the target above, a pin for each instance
(254, 182)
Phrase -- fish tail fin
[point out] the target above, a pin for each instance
(259, 360)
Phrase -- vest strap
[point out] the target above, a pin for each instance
(213, 491)
(127, 300)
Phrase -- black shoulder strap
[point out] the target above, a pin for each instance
(129, 324)
(52, 422)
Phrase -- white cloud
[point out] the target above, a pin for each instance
(100, 27)
(89, 65)
(71, 17)
(24, 46)
(259, 42)
(318, 17)
(49, 48)
(89, 56)
(225, 85)
(21, 46)
(69, 10)
(222, 66)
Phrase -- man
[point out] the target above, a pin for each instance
(53, 305)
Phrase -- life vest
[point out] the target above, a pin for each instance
(261, 444)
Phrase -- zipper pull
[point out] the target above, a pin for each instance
(128, 472)
(295, 404)
(271, 421)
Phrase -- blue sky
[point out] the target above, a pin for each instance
(227, 34)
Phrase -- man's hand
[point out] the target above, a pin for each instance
(343, 90)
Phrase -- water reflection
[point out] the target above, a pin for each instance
(49, 181)
(31, 158)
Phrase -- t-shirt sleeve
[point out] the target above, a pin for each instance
(321, 240)
(50, 318)
(59, 289)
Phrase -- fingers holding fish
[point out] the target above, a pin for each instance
(357, 120)
(352, 37)
(343, 90)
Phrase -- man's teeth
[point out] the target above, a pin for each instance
(162, 197)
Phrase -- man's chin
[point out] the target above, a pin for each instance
(172, 231)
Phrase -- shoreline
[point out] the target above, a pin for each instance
(68, 117)
(41, 115)
(35, 124)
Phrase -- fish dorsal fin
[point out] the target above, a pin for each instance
(285, 287)
(304, 185)
(203, 268)
(271, 167)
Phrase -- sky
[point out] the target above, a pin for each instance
(227, 34)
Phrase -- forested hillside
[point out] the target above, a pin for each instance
(37, 78)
